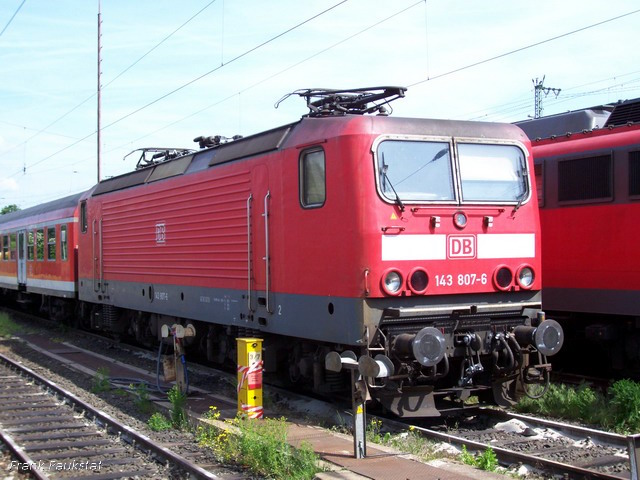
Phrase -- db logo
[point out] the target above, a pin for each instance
(461, 246)
(161, 233)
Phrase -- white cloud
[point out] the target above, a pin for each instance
(8, 185)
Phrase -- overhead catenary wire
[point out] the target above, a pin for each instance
(12, 17)
(194, 80)
(253, 85)
(521, 49)
(183, 86)
(90, 97)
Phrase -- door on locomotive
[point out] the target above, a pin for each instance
(259, 269)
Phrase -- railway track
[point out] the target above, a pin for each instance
(551, 447)
(54, 434)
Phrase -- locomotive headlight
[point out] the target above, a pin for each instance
(392, 282)
(418, 280)
(502, 277)
(460, 220)
(525, 277)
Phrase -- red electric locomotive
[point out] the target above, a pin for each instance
(588, 176)
(411, 243)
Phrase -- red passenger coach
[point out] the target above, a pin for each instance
(411, 245)
(38, 252)
(588, 173)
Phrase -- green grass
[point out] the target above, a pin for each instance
(178, 412)
(617, 410)
(7, 326)
(141, 398)
(411, 441)
(486, 460)
(159, 423)
(260, 445)
(101, 381)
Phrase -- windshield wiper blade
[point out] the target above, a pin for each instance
(398, 201)
(520, 200)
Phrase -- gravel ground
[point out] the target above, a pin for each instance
(114, 402)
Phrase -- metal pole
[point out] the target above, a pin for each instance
(634, 456)
(99, 153)
(359, 417)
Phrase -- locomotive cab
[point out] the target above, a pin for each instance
(448, 258)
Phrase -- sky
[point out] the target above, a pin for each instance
(172, 71)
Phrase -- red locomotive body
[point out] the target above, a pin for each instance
(38, 252)
(413, 244)
(588, 170)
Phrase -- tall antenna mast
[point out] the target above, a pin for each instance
(99, 153)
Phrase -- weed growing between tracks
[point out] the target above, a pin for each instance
(7, 326)
(618, 410)
(101, 382)
(410, 441)
(159, 423)
(260, 445)
(486, 460)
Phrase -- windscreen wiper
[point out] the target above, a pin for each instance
(386, 177)
(520, 200)
(398, 201)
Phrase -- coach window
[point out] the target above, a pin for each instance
(30, 245)
(51, 243)
(40, 244)
(63, 243)
(12, 246)
(312, 178)
(634, 174)
(84, 224)
(5, 247)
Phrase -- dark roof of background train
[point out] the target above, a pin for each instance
(62, 203)
(601, 116)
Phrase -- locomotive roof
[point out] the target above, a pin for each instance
(592, 118)
(33, 213)
(308, 130)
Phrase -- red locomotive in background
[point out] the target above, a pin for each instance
(413, 243)
(588, 175)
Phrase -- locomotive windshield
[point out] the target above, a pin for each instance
(492, 172)
(416, 170)
(422, 171)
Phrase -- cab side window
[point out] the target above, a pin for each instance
(84, 223)
(313, 190)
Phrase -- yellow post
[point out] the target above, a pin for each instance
(250, 377)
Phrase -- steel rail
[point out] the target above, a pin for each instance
(568, 429)
(508, 456)
(22, 456)
(137, 438)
